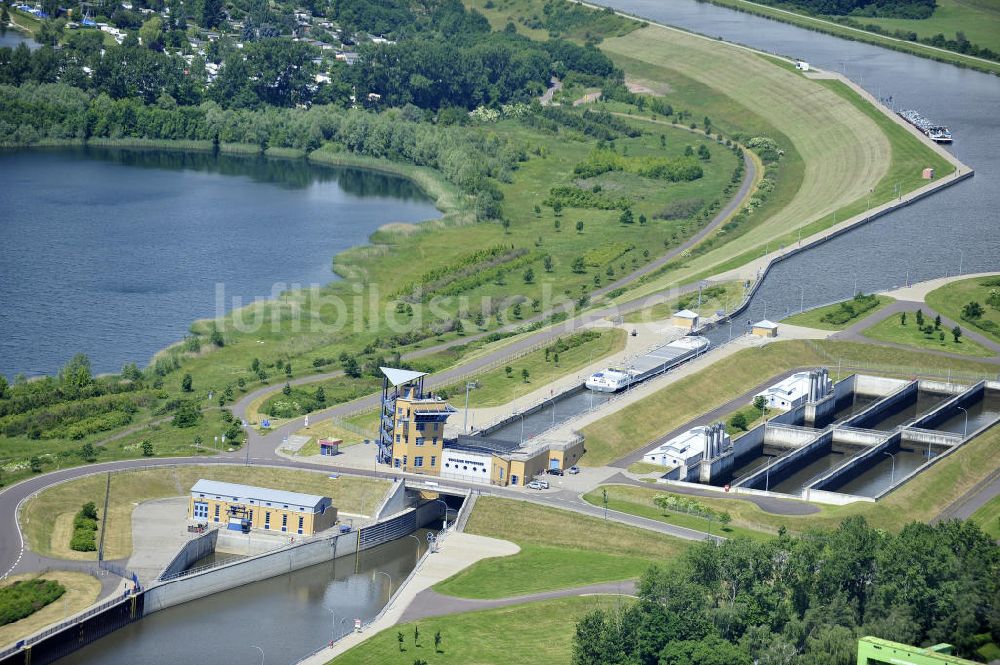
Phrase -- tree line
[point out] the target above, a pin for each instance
(805, 600)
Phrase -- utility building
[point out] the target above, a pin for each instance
(411, 426)
(242, 507)
(797, 389)
(687, 450)
(685, 319)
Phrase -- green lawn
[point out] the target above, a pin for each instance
(724, 296)
(47, 518)
(496, 387)
(988, 517)
(82, 590)
(639, 501)
(813, 318)
(891, 330)
(543, 632)
(951, 298)
(559, 549)
(637, 424)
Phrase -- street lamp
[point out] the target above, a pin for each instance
(605, 491)
(388, 577)
(522, 428)
(418, 545)
(767, 473)
(892, 470)
(444, 518)
(965, 429)
(254, 646)
(470, 385)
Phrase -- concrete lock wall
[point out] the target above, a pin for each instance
(858, 437)
(945, 387)
(787, 437)
(905, 395)
(949, 407)
(192, 551)
(857, 464)
(785, 466)
(877, 386)
(395, 501)
(287, 559)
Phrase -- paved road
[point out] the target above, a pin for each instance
(855, 332)
(429, 603)
(973, 500)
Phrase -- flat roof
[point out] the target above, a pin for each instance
(484, 444)
(765, 324)
(243, 493)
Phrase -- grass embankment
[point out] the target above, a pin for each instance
(835, 316)
(543, 629)
(921, 499)
(909, 334)
(947, 20)
(575, 351)
(637, 424)
(951, 298)
(559, 550)
(714, 297)
(329, 429)
(82, 591)
(47, 519)
(639, 501)
(988, 517)
(979, 20)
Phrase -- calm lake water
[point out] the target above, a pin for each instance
(114, 253)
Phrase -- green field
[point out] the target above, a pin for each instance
(47, 518)
(635, 425)
(639, 501)
(544, 632)
(891, 330)
(559, 550)
(82, 591)
(978, 19)
(988, 517)
(813, 318)
(496, 387)
(951, 298)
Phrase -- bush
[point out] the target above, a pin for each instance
(84, 538)
(22, 599)
(681, 209)
(851, 309)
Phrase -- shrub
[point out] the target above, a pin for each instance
(22, 599)
(84, 538)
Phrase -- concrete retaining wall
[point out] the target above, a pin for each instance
(945, 387)
(395, 501)
(857, 464)
(906, 394)
(787, 437)
(192, 551)
(858, 437)
(287, 559)
(877, 386)
(786, 466)
(949, 408)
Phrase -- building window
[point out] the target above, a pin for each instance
(501, 474)
(267, 520)
(433, 460)
(418, 461)
(216, 512)
(200, 509)
(420, 426)
(398, 438)
(513, 480)
(301, 522)
(397, 464)
(284, 522)
(404, 460)
(420, 440)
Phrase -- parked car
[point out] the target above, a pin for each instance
(555, 472)
(573, 469)
(535, 485)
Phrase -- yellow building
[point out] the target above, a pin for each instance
(242, 507)
(496, 462)
(411, 428)
(685, 319)
(765, 328)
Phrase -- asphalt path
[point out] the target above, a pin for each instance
(429, 603)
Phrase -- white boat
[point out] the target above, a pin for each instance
(657, 361)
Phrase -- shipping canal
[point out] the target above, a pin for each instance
(288, 617)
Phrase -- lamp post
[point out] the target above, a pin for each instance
(388, 577)
(522, 428)
(892, 469)
(605, 491)
(254, 646)
(418, 545)
(444, 518)
(469, 385)
(767, 474)
(965, 428)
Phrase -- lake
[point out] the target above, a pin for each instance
(114, 253)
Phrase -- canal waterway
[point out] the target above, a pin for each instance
(953, 231)
(289, 616)
(114, 253)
